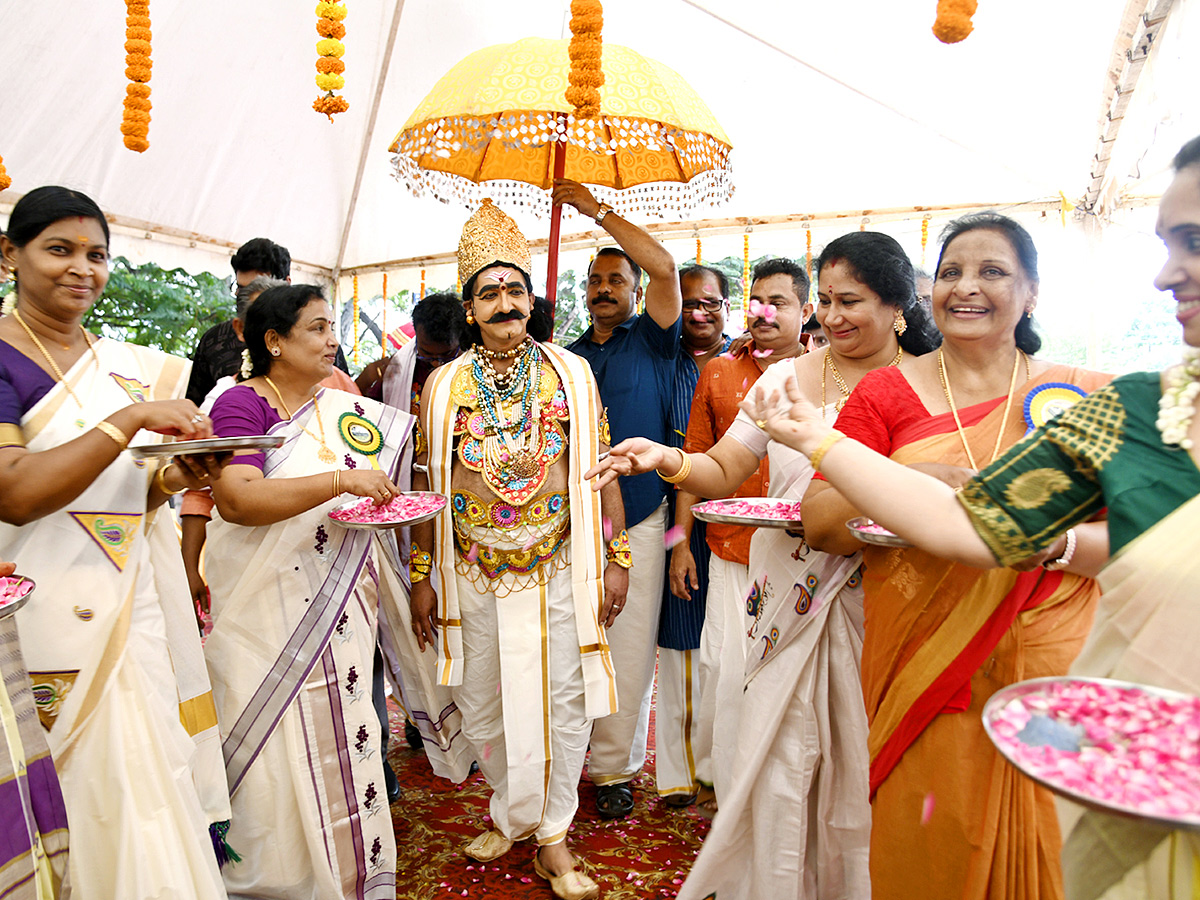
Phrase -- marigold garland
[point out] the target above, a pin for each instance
(383, 323)
(745, 275)
(953, 21)
(924, 238)
(585, 77)
(329, 61)
(422, 296)
(697, 251)
(5, 181)
(355, 312)
(135, 122)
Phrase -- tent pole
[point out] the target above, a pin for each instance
(560, 168)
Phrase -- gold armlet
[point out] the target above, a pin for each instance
(822, 448)
(420, 564)
(617, 550)
(685, 469)
(160, 480)
(113, 432)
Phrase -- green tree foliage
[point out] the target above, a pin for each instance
(164, 308)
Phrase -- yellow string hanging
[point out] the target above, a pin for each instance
(1064, 206)
(329, 60)
(383, 325)
(135, 120)
(745, 276)
(808, 253)
(355, 326)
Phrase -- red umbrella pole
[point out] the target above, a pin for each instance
(560, 168)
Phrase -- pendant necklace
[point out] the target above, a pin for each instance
(58, 375)
(962, 434)
(843, 387)
(324, 454)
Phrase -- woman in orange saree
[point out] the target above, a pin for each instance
(950, 818)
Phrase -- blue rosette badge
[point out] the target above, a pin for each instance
(1049, 401)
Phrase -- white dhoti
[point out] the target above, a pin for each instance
(514, 681)
(619, 740)
(676, 722)
(722, 664)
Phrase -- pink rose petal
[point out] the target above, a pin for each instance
(760, 354)
(673, 536)
(927, 808)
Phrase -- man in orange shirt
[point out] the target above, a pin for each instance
(777, 311)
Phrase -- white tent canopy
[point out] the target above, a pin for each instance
(831, 107)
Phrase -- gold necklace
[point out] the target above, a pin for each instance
(962, 435)
(58, 375)
(325, 455)
(843, 387)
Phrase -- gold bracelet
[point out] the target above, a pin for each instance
(420, 564)
(337, 473)
(685, 469)
(822, 448)
(113, 432)
(617, 550)
(160, 481)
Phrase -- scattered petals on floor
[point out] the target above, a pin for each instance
(645, 855)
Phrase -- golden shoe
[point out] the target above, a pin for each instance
(488, 846)
(572, 885)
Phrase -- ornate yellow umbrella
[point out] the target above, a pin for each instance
(494, 124)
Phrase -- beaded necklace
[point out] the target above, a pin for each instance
(511, 404)
(843, 387)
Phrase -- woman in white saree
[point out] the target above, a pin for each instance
(796, 822)
(109, 639)
(295, 601)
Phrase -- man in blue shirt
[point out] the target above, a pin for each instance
(633, 358)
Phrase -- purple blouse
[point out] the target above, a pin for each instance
(22, 384)
(240, 411)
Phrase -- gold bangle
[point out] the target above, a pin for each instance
(113, 432)
(685, 469)
(420, 564)
(337, 473)
(822, 448)
(160, 481)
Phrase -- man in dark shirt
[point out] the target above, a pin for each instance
(633, 358)
(219, 351)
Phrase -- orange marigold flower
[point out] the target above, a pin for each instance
(953, 22)
(137, 21)
(138, 46)
(330, 65)
(5, 181)
(137, 143)
(137, 33)
(330, 105)
(138, 73)
(137, 90)
(331, 29)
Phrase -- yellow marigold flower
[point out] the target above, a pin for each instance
(330, 82)
(331, 47)
(335, 11)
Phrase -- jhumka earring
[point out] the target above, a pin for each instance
(900, 324)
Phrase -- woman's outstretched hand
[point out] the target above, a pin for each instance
(793, 422)
(632, 456)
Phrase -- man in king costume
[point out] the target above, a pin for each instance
(514, 582)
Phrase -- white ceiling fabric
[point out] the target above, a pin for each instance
(236, 151)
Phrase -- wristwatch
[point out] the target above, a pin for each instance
(603, 211)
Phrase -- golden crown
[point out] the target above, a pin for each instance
(491, 236)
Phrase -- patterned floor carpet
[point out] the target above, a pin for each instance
(646, 855)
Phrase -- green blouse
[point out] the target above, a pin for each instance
(1105, 451)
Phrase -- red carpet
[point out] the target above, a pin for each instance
(645, 855)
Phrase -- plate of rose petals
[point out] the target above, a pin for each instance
(1113, 746)
(408, 508)
(763, 512)
(14, 592)
(870, 532)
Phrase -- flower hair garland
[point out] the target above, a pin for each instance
(953, 21)
(247, 364)
(329, 63)
(135, 121)
(1177, 404)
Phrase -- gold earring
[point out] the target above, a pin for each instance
(470, 319)
(899, 323)
(1029, 312)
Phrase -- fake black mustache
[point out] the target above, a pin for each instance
(513, 315)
